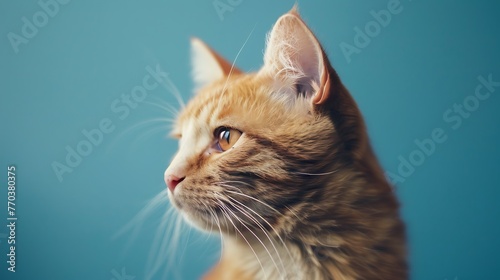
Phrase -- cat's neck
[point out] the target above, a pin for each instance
(326, 240)
(265, 257)
(275, 258)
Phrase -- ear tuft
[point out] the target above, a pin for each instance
(295, 10)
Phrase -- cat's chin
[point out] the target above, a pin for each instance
(211, 225)
(200, 221)
(203, 221)
(197, 218)
(212, 220)
(218, 225)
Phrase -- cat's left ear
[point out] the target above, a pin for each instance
(208, 66)
(294, 55)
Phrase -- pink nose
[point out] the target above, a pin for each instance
(172, 181)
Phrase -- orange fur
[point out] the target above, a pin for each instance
(301, 194)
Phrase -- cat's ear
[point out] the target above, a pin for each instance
(208, 66)
(294, 55)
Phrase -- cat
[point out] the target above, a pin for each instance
(279, 163)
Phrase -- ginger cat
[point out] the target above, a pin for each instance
(279, 163)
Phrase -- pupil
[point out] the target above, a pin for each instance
(226, 135)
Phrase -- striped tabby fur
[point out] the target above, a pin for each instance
(301, 194)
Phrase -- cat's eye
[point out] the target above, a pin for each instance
(226, 137)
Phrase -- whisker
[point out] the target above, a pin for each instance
(224, 208)
(186, 242)
(265, 233)
(293, 212)
(150, 132)
(263, 219)
(315, 174)
(237, 182)
(333, 246)
(167, 108)
(255, 199)
(208, 210)
(170, 86)
(216, 219)
(160, 241)
(137, 221)
(234, 61)
(176, 90)
(136, 126)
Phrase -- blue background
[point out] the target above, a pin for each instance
(66, 77)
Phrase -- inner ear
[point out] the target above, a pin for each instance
(293, 55)
(304, 88)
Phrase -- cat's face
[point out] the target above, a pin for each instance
(252, 146)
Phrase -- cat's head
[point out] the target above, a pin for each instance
(257, 149)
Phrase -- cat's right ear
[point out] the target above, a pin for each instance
(208, 66)
(295, 58)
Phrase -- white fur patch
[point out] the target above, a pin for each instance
(206, 69)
